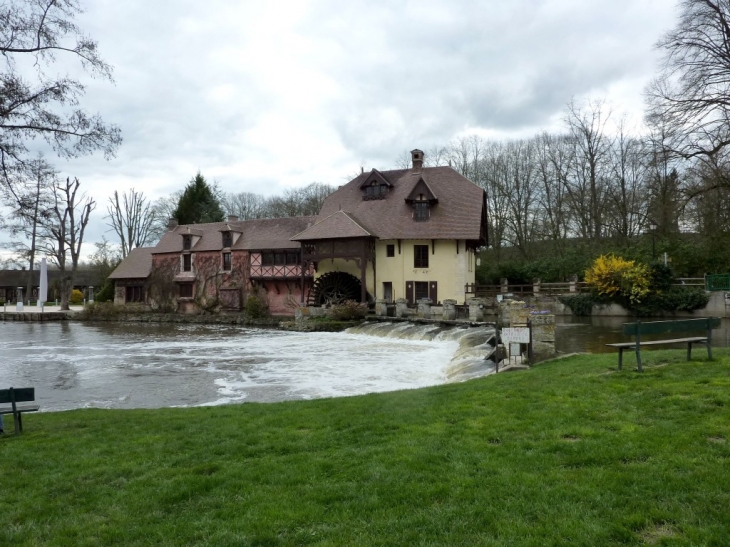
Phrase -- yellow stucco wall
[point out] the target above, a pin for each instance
(450, 270)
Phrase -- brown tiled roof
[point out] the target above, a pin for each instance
(256, 234)
(337, 225)
(272, 233)
(19, 278)
(457, 215)
(137, 265)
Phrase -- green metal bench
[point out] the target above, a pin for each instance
(14, 396)
(638, 329)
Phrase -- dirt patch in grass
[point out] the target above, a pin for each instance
(653, 534)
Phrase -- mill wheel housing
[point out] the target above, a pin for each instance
(335, 287)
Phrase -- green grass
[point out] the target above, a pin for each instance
(568, 453)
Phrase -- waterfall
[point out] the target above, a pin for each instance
(473, 358)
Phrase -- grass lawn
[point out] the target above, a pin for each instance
(568, 453)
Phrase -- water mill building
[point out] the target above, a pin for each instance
(406, 233)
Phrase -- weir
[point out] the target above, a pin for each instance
(475, 357)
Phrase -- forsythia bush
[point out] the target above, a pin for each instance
(616, 278)
(77, 297)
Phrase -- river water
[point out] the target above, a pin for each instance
(591, 334)
(134, 365)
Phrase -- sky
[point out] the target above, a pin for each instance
(265, 96)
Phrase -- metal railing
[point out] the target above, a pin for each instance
(717, 282)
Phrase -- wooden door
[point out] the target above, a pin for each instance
(410, 292)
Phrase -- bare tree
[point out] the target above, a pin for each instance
(586, 187)
(692, 92)
(30, 204)
(163, 210)
(63, 233)
(32, 34)
(627, 191)
(245, 205)
(132, 219)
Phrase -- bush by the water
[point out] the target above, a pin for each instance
(77, 297)
(579, 304)
(349, 310)
(106, 294)
(256, 307)
(99, 310)
(643, 290)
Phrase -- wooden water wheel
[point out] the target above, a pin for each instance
(335, 287)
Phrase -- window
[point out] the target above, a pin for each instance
(280, 258)
(227, 262)
(187, 242)
(187, 263)
(135, 293)
(390, 250)
(227, 239)
(186, 290)
(421, 210)
(421, 290)
(375, 191)
(420, 256)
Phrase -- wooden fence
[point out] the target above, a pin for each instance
(555, 289)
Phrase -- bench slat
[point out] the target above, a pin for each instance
(668, 327)
(658, 342)
(20, 408)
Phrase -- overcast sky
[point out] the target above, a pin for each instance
(267, 95)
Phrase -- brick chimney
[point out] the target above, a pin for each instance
(171, 223)
(232, 218)
(417, 158)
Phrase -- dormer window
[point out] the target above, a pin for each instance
(187, 242)
(375, 191)
(421, 199)
(421, 210)
(374, 186)
(227, 239)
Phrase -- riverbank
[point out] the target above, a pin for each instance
(568, 452)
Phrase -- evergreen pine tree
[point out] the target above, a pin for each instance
(199, 203)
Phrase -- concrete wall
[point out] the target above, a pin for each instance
(718, 306)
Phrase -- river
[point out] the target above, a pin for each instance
(141, 365)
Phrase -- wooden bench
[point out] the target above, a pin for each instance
(667, 327)
(14, 396)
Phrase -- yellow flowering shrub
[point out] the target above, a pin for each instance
(617, 278)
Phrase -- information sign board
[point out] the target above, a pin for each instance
(516, 334)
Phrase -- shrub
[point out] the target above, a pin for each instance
(349, 310)
(77, 297)
(256, 307)
(106, 294)
(99, 310)
(619, 279)
(579, 304)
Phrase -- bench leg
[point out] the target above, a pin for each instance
(638, 359)
(17, 423)
(620, 358)
(689, 351)
(709, 349)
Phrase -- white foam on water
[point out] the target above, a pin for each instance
(129, 366)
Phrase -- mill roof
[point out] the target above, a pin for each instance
(459, 213)
(136, 265)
